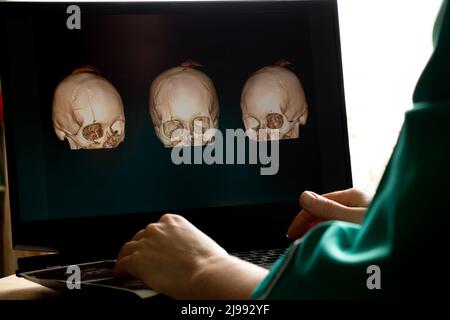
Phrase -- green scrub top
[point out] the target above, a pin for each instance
(405, 232)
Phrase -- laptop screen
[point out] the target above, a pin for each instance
(124, 110)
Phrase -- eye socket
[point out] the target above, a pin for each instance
(117, 128)
(93, 132)
(201, 121)
(274, 121)
(172, 128)
(251, 123)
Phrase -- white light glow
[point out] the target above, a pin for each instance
(385, 46)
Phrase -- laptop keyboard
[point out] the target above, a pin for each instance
(102, 272)
(263, 258)
(89, 271)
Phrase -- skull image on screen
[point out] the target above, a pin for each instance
(273, 103)
(183, 106)
(88, 111)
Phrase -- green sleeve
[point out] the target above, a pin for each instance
(406, 228)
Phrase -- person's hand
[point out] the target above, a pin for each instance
(347, 205)
(175, 258)
(166, 255)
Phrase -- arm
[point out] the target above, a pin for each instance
(229, 278)
(175, 258)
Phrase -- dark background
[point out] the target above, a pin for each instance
(138, 176)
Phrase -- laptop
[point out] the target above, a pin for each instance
(116, 113)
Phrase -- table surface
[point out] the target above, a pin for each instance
(15, 288)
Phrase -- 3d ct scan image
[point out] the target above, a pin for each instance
(139, 100)
(88, 111)
(181, 98)
(273, 98)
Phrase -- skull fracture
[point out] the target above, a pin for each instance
(184, 106)
(273, 102)
(88, 111)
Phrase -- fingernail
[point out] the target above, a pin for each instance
(307, 198)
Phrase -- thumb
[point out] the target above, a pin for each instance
(327, 209)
